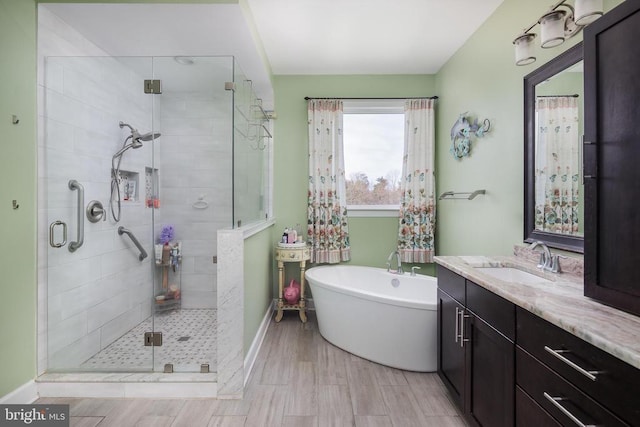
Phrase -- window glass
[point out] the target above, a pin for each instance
(373, 149)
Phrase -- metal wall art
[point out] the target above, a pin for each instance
(462, 132)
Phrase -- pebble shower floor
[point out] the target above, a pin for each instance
(188, 341)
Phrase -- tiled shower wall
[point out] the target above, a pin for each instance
(195, 181)
(90, 297)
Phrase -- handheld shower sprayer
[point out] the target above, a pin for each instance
(136, 142)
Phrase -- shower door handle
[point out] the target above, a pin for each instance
(52, 233)
(75, 185)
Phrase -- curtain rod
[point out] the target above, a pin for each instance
(349, 99)
(575, 95)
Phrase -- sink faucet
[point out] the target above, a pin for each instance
(398, 263)
(546, 259)
(545, 256)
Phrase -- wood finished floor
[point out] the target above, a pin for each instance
(300, 380)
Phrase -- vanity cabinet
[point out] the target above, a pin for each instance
(611, 152)
(569, 377)
(505, 366)
(476, 333)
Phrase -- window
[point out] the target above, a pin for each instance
(373, 149)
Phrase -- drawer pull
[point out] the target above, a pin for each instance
(555, 401)
(457, 324)
(461, 336)
(558, 354)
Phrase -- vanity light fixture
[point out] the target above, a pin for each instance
(560, 22)
(587, 11)
(524, 49)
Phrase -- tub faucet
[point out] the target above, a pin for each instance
(398, 263)
(545, 256)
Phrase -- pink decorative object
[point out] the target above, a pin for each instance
(291, 293)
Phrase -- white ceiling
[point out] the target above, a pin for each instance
(365, 36)
(298, 36)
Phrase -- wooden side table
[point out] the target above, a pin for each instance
(299, 254)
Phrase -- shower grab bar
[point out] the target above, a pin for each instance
(75, 185)
(143, 253)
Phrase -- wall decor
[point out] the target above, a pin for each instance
(462, 132)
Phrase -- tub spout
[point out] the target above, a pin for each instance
(398, 263)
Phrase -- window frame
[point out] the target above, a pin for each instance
(373, 106)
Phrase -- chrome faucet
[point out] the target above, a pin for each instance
(548, 261)
(398, 263)
(545, 255)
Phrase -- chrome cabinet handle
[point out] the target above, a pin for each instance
(462, 338)
(75, 185)
(558, 354)
(457, 324)
(582, 159)
(51, 234)
(555, 401)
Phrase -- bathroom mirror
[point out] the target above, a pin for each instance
(553, 109)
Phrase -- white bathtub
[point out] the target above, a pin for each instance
(383, 317)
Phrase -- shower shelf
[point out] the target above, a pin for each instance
(168, 288)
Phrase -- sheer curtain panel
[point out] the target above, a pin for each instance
(417, 202)
(327, 229)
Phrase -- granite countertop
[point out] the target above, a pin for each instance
(560, 302)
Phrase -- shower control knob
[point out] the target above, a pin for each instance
(95, 211)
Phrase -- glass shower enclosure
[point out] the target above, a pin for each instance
(141, 161)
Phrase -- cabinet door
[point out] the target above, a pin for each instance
(490, 401)
(451, 363)
(530, 414)
(611, 153)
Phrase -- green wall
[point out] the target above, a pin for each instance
(257, 283)
(18, 177)
(481, 79)
(371, 238)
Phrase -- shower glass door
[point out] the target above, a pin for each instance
(95, 227)
(192, 199)
(134, 187)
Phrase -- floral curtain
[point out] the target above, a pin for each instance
(327, 229)
(557, 152)
(417, 202)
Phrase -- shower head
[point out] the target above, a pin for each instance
(146, 137)
(137, 138)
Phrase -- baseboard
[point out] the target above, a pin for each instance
(252, 354)
(26, 393)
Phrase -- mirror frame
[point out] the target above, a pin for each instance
(555, 240)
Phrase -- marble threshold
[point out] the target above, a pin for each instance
(128, 385)
(560, 301)
(128, 377)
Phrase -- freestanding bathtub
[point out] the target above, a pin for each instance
(384, 317)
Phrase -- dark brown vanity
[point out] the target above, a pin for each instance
(505, 364)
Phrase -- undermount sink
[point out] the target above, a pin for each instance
(510, 274)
